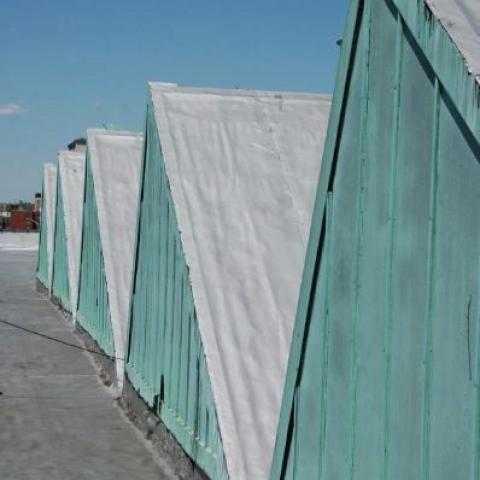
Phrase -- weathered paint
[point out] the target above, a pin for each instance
(93, 311)
(384, 369)
(60, 284)
(165, 361)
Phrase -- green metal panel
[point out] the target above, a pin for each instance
(384, 369)
(60, 284)
(93, 312)
(42, 262)
(165, 361)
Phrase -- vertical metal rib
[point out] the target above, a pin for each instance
(359, 234)
(426, 443)
(391, 244)
(326, 337)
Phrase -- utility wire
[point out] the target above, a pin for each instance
(57, 340)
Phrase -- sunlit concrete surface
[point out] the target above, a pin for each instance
(57, 422)
(18, 241)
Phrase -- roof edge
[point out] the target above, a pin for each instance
(226, 92)
(95, 131)
(70, 154)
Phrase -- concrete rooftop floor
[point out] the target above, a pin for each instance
(57, 422)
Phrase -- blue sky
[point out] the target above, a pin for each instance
(71, 65)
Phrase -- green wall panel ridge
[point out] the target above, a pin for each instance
(93, 311)
(60, 284)
(42, 262)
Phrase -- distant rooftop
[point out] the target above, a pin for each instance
(79, 144)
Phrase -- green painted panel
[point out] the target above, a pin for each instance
(93, 312)
(410, 250)
(374, 266)
(42, 262)
(385, 361)
(60, 284)
(165, 361)
(454, 361)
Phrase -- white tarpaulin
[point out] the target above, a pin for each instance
(243, 169)
(461, 19)
(71, 167)
(115, 159)
(49, 203)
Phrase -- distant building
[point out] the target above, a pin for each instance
(78, 145)
(38, 202)
(4, 216)
(20, 216)
(23, 221)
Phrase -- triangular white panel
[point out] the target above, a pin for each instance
(115, 159)
(71, 167)
(243, 168)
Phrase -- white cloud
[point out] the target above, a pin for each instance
(11, 109)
